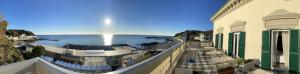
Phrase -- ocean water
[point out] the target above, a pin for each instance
(97, 40)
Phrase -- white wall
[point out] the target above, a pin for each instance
(253, 13)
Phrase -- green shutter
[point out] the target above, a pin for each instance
(294, 60)
(216, 41)
(242, 45)
(266, 57)
(230, 43)
(221, 41)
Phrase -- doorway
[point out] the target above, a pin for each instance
(280, 48)
(236, 42)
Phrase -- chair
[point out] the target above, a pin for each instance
(93, 68)
(82, 67)
(77, 66)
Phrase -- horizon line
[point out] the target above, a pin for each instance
(102, 34)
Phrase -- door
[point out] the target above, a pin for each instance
(220, 41)
(294, 51)
(216, 41)
(280, 48)
(265, 55)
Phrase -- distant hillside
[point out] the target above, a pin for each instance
(15, 33)
(192, 33)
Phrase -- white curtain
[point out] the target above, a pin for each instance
(285, 44)
(274, 49)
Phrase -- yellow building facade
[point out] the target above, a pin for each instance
(267, 30)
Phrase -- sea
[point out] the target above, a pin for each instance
(98, 40)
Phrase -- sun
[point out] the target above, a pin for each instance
(107, 21)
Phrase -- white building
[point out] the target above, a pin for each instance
(267, 30)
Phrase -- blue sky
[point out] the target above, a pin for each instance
(153, 17)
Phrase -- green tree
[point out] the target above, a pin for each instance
(38, 51)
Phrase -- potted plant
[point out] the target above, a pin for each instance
(239, 65)
(244, 66)
(250, 64)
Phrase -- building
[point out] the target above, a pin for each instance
(200, 37)
(267, 30)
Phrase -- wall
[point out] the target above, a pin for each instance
(252, 13)
(22, 67)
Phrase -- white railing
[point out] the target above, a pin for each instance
(25, 67)
(34, 66)
(162, 63)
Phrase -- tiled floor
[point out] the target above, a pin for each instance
(207, 60)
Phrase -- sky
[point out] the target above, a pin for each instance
(146, 17)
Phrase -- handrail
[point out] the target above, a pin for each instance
(148, 65)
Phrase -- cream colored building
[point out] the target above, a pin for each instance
(267, 30)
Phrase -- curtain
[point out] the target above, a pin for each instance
(285, 45)
(274, 48)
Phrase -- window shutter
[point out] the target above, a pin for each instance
(242, 45)
(266, 57)
(294, 55)
(216, 41)
(230, 43)
(221, 41)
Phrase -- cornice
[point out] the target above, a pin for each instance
(228, 7)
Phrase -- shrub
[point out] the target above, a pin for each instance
(38, 51)
(8, 54)
(27, 55)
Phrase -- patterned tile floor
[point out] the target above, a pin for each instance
(206, 60)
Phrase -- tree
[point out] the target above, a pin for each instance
(8, 54)
(38, 51)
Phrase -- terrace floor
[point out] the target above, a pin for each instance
(198, 59)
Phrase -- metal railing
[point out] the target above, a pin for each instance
(162, 63)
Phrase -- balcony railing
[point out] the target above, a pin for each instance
(162, 63)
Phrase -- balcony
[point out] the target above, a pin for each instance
(163, 62)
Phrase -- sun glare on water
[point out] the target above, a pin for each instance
(107, 39)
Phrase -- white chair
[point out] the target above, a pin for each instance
(77, 66)
(101, 68)
(60, 63)
(73, 66)
(92, 68)
(69, 65)
(64, 64)
(84, 67)
(81, 67)
(56, 62)
(98, 68)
